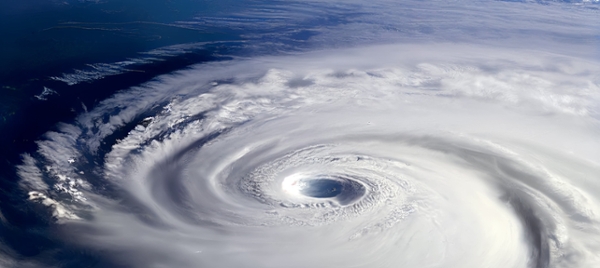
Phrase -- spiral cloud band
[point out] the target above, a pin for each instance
(398, 155)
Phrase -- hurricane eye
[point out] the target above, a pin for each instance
(322, 188)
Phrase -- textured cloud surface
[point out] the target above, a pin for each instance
(412, 153)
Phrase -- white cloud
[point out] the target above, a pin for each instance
(445, 146)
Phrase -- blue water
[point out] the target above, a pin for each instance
(45, 39)
(322, 188)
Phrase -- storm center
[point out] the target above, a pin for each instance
(321, 188)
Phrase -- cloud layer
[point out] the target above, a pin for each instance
(415, 153)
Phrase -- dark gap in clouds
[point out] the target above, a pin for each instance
(179, 126)
(341, 74)
(121, 132)
(431, 85)
(536, 225)
(300, 82)
(509, 179)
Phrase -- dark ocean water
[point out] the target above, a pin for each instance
(59, 59)
(44, 39)
(85, 51)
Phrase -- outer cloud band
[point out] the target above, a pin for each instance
(466, 158)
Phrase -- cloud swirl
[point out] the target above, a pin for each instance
(421, 154)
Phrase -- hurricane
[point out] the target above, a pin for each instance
(468, 140)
